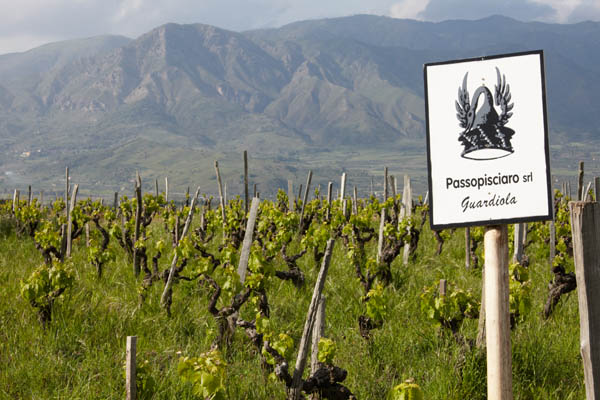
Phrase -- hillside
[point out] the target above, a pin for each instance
(180, 96)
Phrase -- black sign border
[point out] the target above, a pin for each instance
(543, 217)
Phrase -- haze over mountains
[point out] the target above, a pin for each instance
(179, 96)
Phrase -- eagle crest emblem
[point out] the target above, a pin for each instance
(485, 135)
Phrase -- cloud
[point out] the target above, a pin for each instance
(408, 9)
(523, 10)
(587, 10)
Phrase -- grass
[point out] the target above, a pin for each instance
(80, 355)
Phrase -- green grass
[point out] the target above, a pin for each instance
(80, 355)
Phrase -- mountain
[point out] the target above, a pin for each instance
(180, 96)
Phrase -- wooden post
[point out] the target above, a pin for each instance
(585, 227)
(392, 185)
(29, 195)
(138, 224)
(186, 227)
(317, 333)
(597, 188)
(130, 368)
(442, 288)
(480, 341)
(372, 191)
(116, 202)
(41, 198)
(467, 247)
(580, 182)
(355, 202)
(497, 322)
(246, 200)
(385, 183)
(166, 189)
(15, 203)
(407, 208)
(296, 388)
(518, 243)
(255, 192)
(67, 192)
(290, 195)
(343, 187)
(381, 239)
(70, 218)
(247, 243)
(329, 193)
(156, 188)
(308, 179)
(221, 198)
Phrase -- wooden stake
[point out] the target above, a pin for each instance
(29, 195)
(518, 243)
(166, 189)
(67, 191)
(585, 227)
(70, 218)
(246, 200)
(317, 333)
(186, 227)
(355, 201)
(442, 288)
(597, 188)
(580, 182)
(308, 179)
(15, 203)
(467, 247)
(221, 198)
(385, 183)
(329, 193)
(290, 195)
(130, 368)
(497, 323)
(407, 209)
(116, 202)
(296, 388)
(138, 223)
(343, 187)
(247, 243)
(381, 239)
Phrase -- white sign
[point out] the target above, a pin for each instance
(487, 141)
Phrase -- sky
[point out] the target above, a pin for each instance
(25, 24)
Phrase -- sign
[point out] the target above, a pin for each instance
(487, 141)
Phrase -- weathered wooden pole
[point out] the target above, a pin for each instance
(585, 227)
(355, 201)
(329, 194)
(296, 389)
(497, 319)
(67, 192)
(597, 188)
(138, 223)
(580, 182)
(385, 183)
(15, 202)
(186, 227)
(246, 200)
(442, 287)
(221, 198)
(518, 243)
(407, 209)
(130, 368)
(247, 243)
(70, 219)
(29, 195)
(156, 188)
(116, 201)
(166, 189)
(317, 333)
(290, 195)
(343, 187)
(305, 199)
(467, 247)
(552, 235)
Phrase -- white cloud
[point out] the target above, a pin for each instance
(563, 8)
(408, 9)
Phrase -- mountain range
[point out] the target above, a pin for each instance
(329, 95)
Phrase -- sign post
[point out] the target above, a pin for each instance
(488, 163)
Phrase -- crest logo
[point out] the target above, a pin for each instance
(485, 136)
